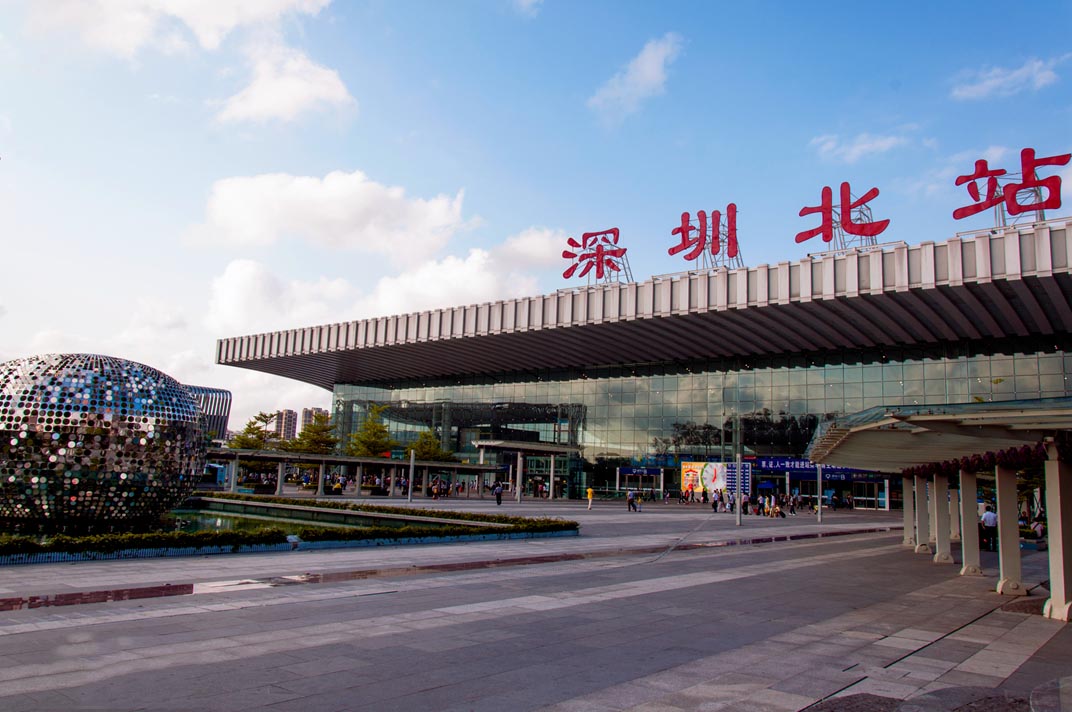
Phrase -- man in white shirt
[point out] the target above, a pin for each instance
(990, 529)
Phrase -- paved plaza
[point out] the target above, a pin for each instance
(673, 608)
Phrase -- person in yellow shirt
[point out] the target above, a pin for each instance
(591, 495)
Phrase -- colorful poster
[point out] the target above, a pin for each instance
(703, 475)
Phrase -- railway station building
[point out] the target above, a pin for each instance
(604, 372)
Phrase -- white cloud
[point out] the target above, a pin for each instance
(340, 210)
(643, 78)
(529, 8)
(536, 247)
(999, 81)
(125, 27)
(286, 83)
(249, 298)
(832, 147)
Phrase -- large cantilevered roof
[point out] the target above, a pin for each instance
(1012, 282)
(892, 439)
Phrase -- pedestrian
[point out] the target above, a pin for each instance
(990, 529)
(498, 489)
(591, 495)
(630, 501)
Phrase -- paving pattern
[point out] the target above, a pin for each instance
(650, 611)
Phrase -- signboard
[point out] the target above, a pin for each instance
(715, 476)
(786, 464)
(1015, 194)
(644, 471)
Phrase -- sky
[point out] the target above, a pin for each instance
(173, 172)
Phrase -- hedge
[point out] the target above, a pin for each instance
(268, 535)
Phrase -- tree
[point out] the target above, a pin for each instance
(318, 437)
(426, 447)
(372, 439)
(256, 436)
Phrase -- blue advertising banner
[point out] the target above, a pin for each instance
(785, 464)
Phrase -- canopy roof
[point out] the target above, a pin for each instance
(1010, 283)
(896, 438)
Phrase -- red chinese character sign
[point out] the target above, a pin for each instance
(1045, 193)
(853, 218)
(598, 251)
(697, 247)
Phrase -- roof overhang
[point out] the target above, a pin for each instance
(895, 439)
(1002, 284)
(526, 446)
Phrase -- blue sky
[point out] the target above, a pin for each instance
(172, 172)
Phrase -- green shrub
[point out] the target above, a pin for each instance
(268, 535)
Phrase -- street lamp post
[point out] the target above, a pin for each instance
(412, 458)
(737, 458)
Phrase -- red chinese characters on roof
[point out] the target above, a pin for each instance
(996, 194)
(696, 245)
(848, 205)
(596, 249)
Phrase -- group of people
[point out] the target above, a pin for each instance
(988, 528)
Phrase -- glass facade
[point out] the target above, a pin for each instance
(630, 411)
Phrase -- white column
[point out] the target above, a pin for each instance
(886, 499)
(662, 484)
(618, 479)
(933, 511)
(954, 515)
(234, 474)
(520, 476)
(787, 491)
(551, 495)
(483, 475)
(320, 481)
(391, 483)
(1010, 579)
(908, 504)
(1059, 535)
(281, 471)
(969, 533)
(942, 552)
(923, 517)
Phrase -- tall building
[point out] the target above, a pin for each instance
(286, 425)
(215, 403)
(605, 372)
(308, 414)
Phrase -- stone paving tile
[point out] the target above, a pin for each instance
(962, 678)
(883, 688)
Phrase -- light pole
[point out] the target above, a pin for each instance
(737, 458)
(412, 458)
(819, 496)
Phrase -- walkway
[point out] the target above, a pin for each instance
(668, 609)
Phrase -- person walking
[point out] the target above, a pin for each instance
(591, 495)
(498, 489)
(990, 529)
(630, 501)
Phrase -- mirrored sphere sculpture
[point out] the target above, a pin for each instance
(93, 443)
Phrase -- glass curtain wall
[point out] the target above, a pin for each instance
(630, 411)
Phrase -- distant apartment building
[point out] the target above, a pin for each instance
(215, 403)
(308, 414)
(286, 425)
